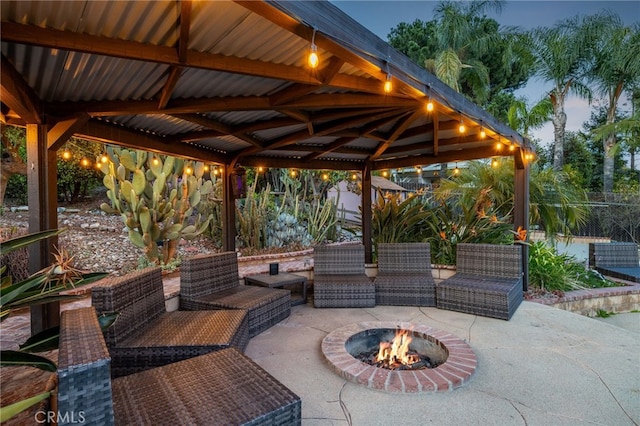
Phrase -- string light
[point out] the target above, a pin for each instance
(188, 170)
(494, 163)
(293, 173)
(84, 162)
(104, 158)
(388, 84)
(461, 127)
(429, 105)
(483, 134)
(260, 169)
(66, 154)
(155, 161)
(456, 170)
(313, 59)
(512, 147)
(206, 168)
(354, 176)
(216, 172)
(325, 177)
(385, 173)
(419, 170)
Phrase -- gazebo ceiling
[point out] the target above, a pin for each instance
(228, 82)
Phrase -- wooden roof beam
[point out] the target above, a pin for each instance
(398, 129)
(18, 95)
(64, 129)
(116, 135)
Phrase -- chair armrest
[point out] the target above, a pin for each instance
(84, 377)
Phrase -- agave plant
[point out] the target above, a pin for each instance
(45, 286)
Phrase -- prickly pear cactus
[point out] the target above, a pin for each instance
(156, 196)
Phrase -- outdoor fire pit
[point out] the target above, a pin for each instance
(399, 357)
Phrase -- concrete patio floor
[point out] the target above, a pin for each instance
(545, 366)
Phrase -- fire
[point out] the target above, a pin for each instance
(397, 351)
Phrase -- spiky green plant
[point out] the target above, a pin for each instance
(252, 217)
(40, 288)
(156, 196)
(398, 221)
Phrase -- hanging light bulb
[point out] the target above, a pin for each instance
(388, 84)
(461, 127)
(429, 105)
(456, 170)
(206, 168)
(188, 170)
(84, 162)
(498, 145)
(494, 163)
(155, 161)
(325, 177)
(512, 147)
(104, 158)
(260, 169)
(313, 59)
(419, 170)
(216, 172)
(354, 176)
(385, 173)
(293, 173)
(483, 134)
(66, 154)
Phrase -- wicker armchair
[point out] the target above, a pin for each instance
(487, 282)
(224, 387)
(211, 281)
(145, 335)
(339, 280)
(404, 275)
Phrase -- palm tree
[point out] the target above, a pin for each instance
(522, 119)
(556, 202)
(459, 31)
(617, 69)
(561, 56)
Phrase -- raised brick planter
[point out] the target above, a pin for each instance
(589, 301)
(457, 370)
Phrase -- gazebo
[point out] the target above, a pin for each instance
(230, 83)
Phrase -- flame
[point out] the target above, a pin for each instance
(397, 350)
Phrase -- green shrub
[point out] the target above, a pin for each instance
(553, 271)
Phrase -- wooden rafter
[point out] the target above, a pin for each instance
(398, 129)
(17, 95)
(117, 135)
(219, 127)
(339, 143)
(64, 129)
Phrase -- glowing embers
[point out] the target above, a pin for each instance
(397, 353)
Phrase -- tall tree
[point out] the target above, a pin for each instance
(562, 57)
(468, 51)
(523, 119)
(616, 70)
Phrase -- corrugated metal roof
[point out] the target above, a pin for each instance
(244, 73)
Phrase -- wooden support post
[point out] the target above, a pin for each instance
(229, 210)
(42, 200)
(367, 214)
(521, 207)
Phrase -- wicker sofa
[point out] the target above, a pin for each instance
(211, 281)
(404, 275)
(145, 335)
(616, 260)
(487, 282)
(339, 280)
(223, 387)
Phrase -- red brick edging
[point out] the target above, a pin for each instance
(456, 371)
